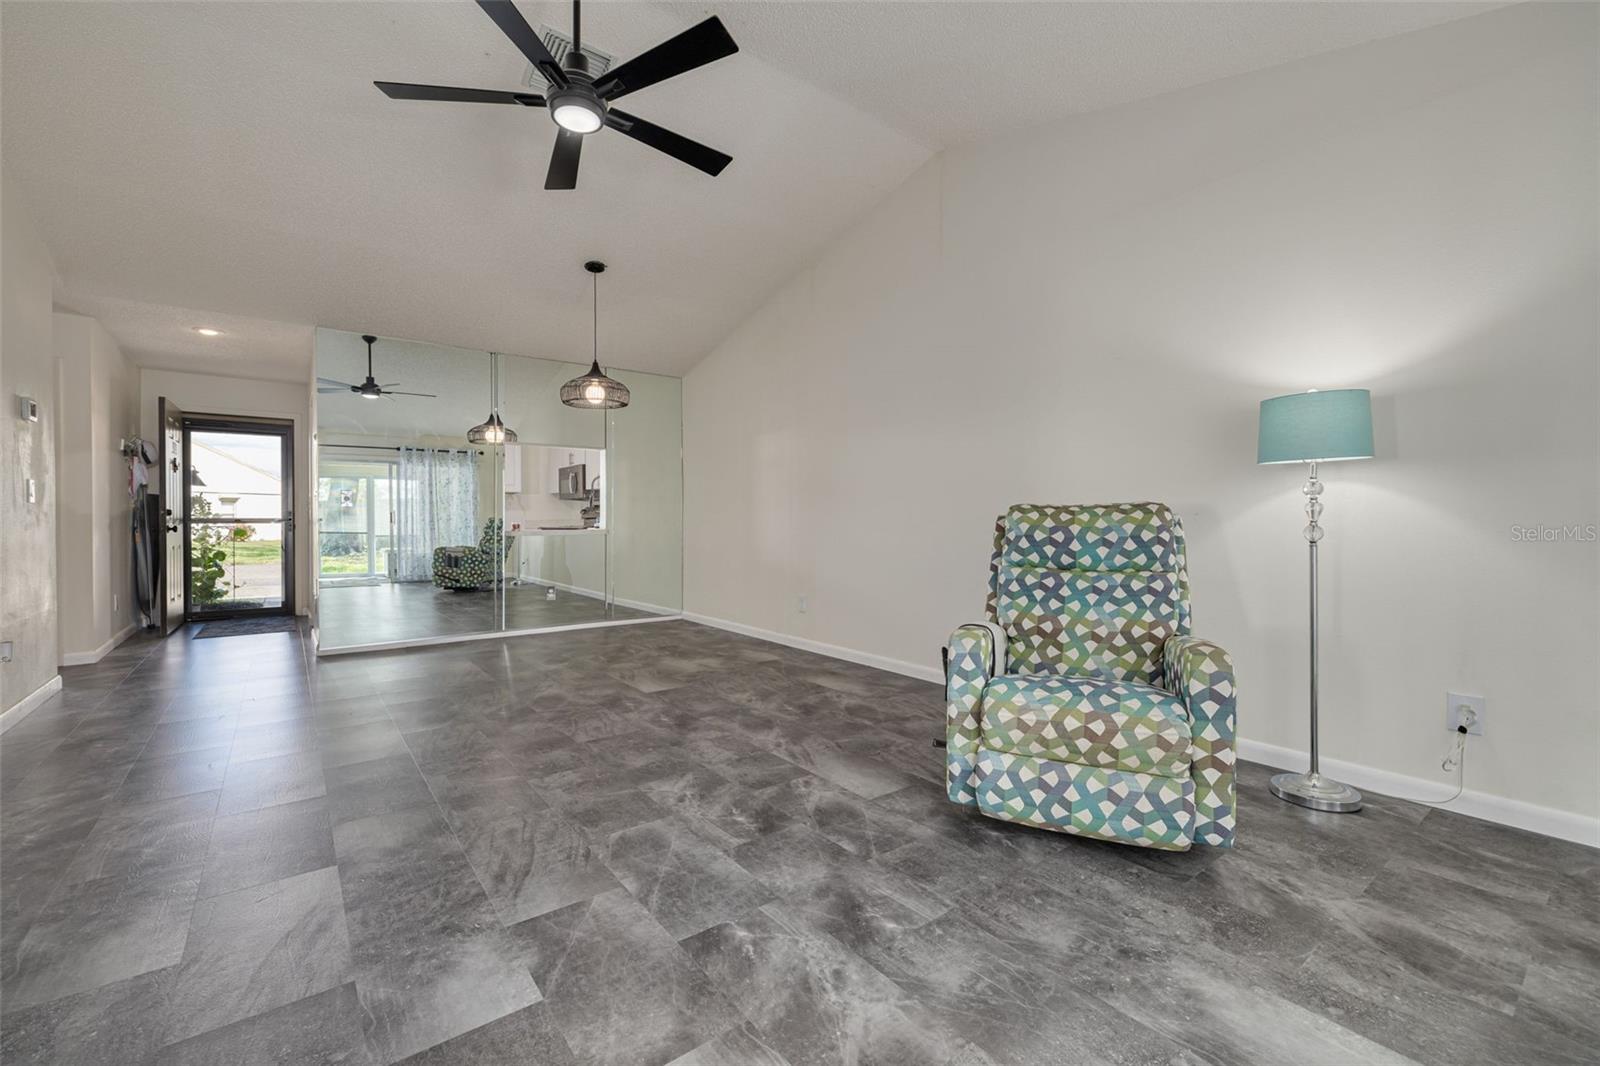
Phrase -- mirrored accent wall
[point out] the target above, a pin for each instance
(424, 534)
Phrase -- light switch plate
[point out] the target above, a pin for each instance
(33, 491)
(5, 651)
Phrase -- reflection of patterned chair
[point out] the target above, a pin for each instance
(1083, 705)
(472, 568)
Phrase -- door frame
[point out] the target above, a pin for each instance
(174, 514)
(283, 429)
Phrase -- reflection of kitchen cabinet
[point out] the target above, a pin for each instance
(593, 459)
(536, 468)
(512, 474)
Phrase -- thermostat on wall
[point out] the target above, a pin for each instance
(30, 409)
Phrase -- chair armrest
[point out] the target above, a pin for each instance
(1200, 674)
(969, 663)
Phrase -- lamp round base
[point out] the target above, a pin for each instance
(1317, 792)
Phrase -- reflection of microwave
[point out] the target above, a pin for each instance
(571, 483)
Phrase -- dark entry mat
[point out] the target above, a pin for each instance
(247, 627)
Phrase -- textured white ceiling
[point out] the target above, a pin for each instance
(232, 163)
(164, 336)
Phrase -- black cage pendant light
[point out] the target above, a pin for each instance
(595, 390)
(492, 430)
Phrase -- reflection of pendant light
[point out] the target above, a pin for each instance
(493, 431)
(595, 390)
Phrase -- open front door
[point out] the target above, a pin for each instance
(174, 511)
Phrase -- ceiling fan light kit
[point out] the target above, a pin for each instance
(594, 390)
(579, 103)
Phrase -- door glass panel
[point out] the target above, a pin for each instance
(382, 523)
(236, 527)
(342, 527)
(354, 516)
(235, 565)
(237, 475)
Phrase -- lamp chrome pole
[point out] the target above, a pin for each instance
(1312, 789)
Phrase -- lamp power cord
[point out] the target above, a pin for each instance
(1455, 758)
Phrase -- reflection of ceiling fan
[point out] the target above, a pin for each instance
(368, 389)
(580, 102)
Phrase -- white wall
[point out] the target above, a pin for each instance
(1092, 311)
(214, 394)
(27, 450)
(98, 401)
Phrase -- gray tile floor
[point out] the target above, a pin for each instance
(351, 615)
(665, 843)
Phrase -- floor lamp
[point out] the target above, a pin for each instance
(1315, 427)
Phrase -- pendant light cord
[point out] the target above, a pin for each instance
(596, 333)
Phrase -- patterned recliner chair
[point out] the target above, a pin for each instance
(473, 568)
(1083, 705)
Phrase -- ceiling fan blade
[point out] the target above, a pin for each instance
(694, 47)
(404, 90)
(676, 145)
(513, 25)
(563, 172)
(336, 388)
(402, 392)
(331, 381)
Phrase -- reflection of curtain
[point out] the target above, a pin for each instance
(435, 506)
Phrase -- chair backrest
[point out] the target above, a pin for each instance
(1089, 589)
(491, 543)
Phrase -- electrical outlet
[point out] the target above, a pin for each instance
(1453, 704)
(800, 604)
(113, 603)
(33, 491)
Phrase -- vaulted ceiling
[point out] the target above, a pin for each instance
(231, 165)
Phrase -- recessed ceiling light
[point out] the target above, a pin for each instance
(207, 331)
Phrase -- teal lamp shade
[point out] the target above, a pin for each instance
(1319, 427)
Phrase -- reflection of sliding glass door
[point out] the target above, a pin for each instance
(355, 520)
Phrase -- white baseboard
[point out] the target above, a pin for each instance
(1516, 813)
(1546, 820)
(850, 655)
(652, 608)
(23, 707)
(87, 658)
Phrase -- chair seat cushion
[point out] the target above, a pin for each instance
(1090, 721)
(1144, 809)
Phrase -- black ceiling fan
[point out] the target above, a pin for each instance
(368, 389)
(579, 103)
